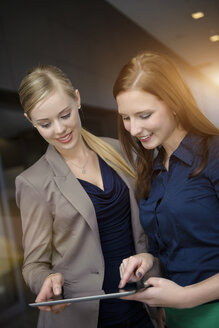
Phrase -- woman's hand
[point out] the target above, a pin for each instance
(134, 268)
(166, 293)
(161, 293)
(50, 290)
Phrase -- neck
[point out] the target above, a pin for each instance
(78, 153)
(172, 144)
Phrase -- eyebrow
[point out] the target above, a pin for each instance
(60, 113)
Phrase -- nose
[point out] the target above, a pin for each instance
(59, 127)
(135, 128)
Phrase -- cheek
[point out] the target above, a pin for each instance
(46, 134)
(163, 120)
(168, 126)
(171, 122)
(75, 121)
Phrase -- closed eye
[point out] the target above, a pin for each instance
(125, 118)
(45, 125)
(145, 116)
(66, 116)
(141, 116)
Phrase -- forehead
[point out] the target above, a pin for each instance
(135, 99)
(56, 102)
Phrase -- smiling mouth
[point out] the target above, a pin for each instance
(65, 138)
(145, 138)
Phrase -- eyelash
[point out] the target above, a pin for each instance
(64, 117)
(143, 117)
(45, 126)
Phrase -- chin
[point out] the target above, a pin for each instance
(149, 147)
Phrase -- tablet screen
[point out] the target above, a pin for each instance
(129, 289)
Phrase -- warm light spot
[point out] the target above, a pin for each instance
(216, 79)
(197, 15)
(214, 38)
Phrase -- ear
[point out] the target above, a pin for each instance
(78, 98)
(28, 118)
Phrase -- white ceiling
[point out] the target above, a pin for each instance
(170, 22)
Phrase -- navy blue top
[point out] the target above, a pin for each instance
(181, 215)
(112, 206)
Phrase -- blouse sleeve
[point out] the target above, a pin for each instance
(37, 222)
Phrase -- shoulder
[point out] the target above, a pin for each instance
(195, 144)
(213, 150)
(111, 141)
(37, 174)
(213, 144)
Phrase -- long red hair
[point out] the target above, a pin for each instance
(158, 75)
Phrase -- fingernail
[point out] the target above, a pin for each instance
(139, 274)
(57, 291)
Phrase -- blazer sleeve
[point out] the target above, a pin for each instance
(37, 222)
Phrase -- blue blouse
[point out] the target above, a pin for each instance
(181, 214)
(112, 206)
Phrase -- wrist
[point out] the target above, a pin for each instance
(191, 297)
(155, 270)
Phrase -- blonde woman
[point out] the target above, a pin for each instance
(78, 210)
(177, 180)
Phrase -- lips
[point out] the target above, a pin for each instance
(65, 139)
(145, 138)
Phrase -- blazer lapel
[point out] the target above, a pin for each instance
(71, 188)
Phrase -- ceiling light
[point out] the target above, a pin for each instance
(214, 38)
(197, 15)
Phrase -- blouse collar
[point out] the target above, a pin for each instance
(186, 152)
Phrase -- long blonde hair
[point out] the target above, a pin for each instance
(157, 74)
(39, 83)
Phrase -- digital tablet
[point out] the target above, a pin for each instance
(95, 295)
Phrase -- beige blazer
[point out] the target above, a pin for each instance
(60, 234)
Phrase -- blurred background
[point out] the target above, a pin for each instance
(90, 41)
